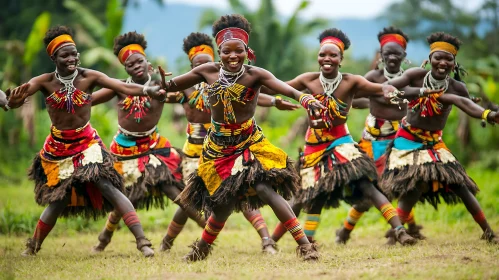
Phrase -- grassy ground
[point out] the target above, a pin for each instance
(453, 249)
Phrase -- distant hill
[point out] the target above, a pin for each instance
(165, 28)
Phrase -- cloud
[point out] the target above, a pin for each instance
(330, 9)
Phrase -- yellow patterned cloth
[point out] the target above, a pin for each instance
(235, 156)
(193, 147)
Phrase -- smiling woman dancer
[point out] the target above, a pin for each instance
(74, 173)
(381, 124)
(199, 49)
(333, 167)
(149, 164)
(419, 166)
(239, 167)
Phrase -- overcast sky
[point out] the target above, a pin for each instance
(325, 8)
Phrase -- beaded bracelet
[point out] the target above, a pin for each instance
(305, 100)
(485, 114)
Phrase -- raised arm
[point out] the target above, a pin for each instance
(468, 106)
(103, 95)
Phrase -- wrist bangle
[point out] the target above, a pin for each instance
(144, 90)
(7, 107)
(421, 92)
(273, 101)
(485, 114)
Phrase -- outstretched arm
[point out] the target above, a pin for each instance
(360, 103)
(104, 81)
(102, 95)
(295, 83)
(187, 80)
(468, 106)
(265, 100)
(308, 102)
(17, 97)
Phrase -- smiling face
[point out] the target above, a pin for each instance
(200, 59)
(392, 54)
(137, 66)
(233, 53)
(442, 64)
(66, 59)
(329, 59)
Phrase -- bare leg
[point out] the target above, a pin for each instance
(47, 221)
(389, 213)
(256, 219)
(284, 213)
(354, 214)
(280, 207)
(202, 248)
(124, 207)
(107, 232)
(280, 230)
(475, 210)
(174, 228)
(172, 193)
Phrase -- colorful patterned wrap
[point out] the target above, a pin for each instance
(193, 147)
(69, 166)
(419, 159)
(235, 157)
(330, 166)
(147, 163)
(377, 135)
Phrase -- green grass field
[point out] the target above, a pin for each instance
(453, 249)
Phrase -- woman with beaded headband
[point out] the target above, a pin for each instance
(381, 124)
(332, 166)
(199, 49)
(239, 167)
(149, 164)
(74, 173)
(419, 166)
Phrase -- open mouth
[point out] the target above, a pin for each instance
(327, 66)
(71, 67)
(441, 70)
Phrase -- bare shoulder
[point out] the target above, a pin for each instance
(373, 75)
(87, 73)
(459, 88)
(415, 72)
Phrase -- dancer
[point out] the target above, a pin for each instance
(419, 166)
(74, 173)
(149, 164)
(239, 167)
(199, 49)
(333, 167)
(381, 124)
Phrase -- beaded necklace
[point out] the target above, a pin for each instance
(430, 105)
(390, 76)
(226, 90)
(136, 105)
(68, 96)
